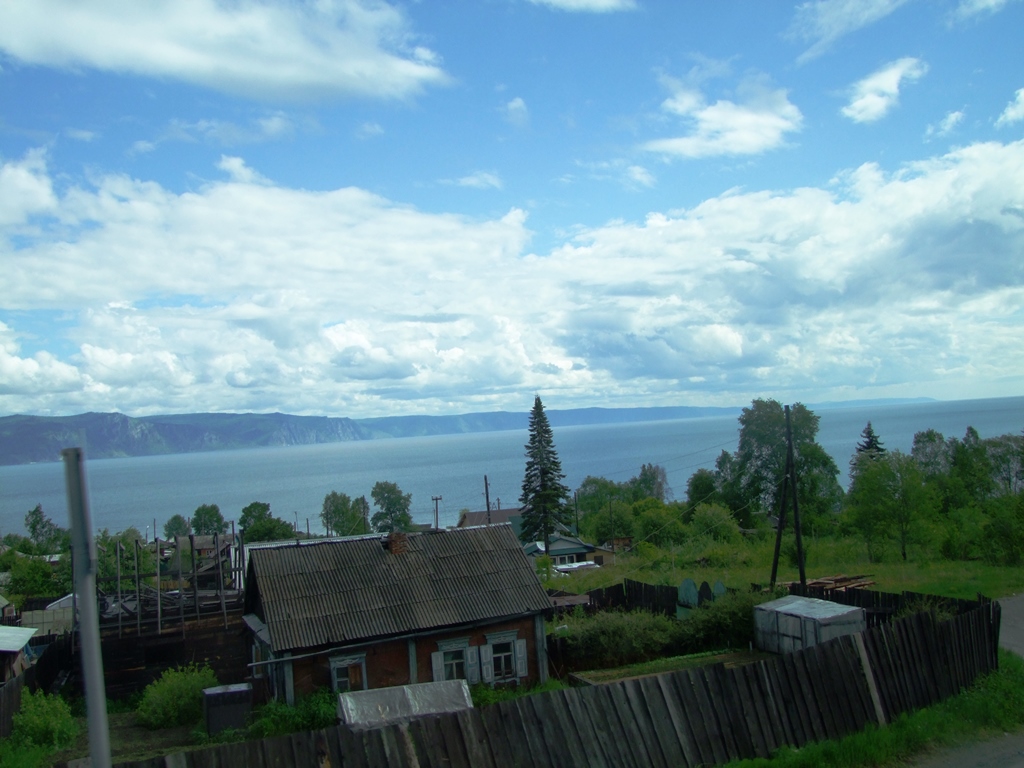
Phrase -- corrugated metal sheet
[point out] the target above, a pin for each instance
(353, 590)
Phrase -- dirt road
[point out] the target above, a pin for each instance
(1005, 751)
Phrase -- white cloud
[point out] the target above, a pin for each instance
(1014, 111)
(369, 129)
(38, 376)
(236, 168)
(968, 8)
(245, 296)
(756, 122)
(637, 174)
(79, 134)
(25, 188)
(947, 125)
(479, 180)
(873, 97)
(825, 21)
(515, 112)
(267, 50)
(598, 6)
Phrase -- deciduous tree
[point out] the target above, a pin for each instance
(259, 525)
(207, 520)
(177, 525)
(48, 537)
(341, 515)
(544, 496)
(392, 508)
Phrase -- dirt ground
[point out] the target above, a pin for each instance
(1006, 751)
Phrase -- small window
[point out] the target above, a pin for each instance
(503, 656)
(348, 673)
(455, 665)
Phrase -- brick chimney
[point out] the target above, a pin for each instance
(398, 543)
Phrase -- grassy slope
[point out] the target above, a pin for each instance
(739, 566)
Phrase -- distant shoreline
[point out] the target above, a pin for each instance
(26, 439)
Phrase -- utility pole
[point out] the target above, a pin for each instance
(487, 498)
(84, 568)
(576, 505)
(435, 499)
(611, 519)
(789, 486)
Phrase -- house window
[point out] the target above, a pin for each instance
(455, 665)
(503, 657)
(456, 660)
(348, 673)
(260, 653)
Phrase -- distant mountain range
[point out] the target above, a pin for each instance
(28, 439)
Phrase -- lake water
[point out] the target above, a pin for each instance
(294, 480)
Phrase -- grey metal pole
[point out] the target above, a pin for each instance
(85, 588)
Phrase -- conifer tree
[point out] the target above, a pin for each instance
(870, 442)
(544, 497)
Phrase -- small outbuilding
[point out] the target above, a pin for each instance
(793, 623)
(13, 660)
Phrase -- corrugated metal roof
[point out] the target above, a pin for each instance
(353, 590)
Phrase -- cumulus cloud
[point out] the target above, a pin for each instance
(253, 296)
(639, 175)
(1014, 111)
(946, 126)
(873, 97)
(515, 112)
(757, 121)
(822, 22)
(596, 6)
(267, 50)
(25, 188)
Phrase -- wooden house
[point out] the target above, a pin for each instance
(377, 611)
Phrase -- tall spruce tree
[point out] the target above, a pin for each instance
(544, 499)
(870, 442)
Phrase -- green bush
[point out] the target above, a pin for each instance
(176, 698)
(616, 638)
(728, 622)
(313, 712)
(44, 721)
(715, 521)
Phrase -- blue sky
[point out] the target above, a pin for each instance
(362, 208)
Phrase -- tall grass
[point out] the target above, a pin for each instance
(747, 562)
(994, 705)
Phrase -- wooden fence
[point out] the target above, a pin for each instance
(40, 676)
(704, 716)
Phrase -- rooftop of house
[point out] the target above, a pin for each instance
(469, 519)
(561, 544)
(349, 591)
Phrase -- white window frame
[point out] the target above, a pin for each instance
(519, 658)
(344, 662)
(260, 652)
(470, 659)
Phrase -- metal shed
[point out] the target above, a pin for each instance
(793, 623)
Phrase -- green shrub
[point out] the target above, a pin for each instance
(313, 712)
(44, 721)
(616, 638)
(715, 521)
(728, 622)
(176, 698)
